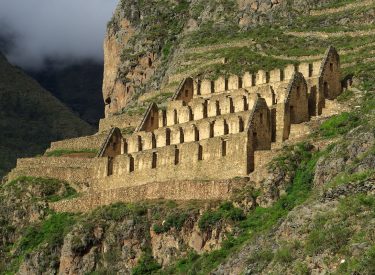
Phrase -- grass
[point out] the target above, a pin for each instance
(345, 96)
(174, 220)
(66, 152)
(127, 131)
(365, 264)
(347, 177)
(146, 265)
(49, 233)
(31, 118)
(284, 255)
(119, 211)
(51, 190)
(258, 221)
(336, 4)
(339, 125)
(226, 211)
(335, 231)
(327, 236)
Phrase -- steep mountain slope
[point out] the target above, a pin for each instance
(78, 86)
(313, 215)
(30, 117)
(320, 218)
(155, 44)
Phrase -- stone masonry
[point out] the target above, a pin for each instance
(210, 130)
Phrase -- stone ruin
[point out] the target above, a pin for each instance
(210, 130)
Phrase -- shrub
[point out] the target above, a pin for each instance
(262, 255)
(43, 188)
(284, 255)
(345, 96)
(119, 211)
(328, 237)
(146, 265)
(225, 211)
(301, 268)
(175, 220)
(51, 231)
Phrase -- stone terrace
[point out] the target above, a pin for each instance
(210, 130)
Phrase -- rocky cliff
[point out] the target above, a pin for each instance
(148, 42)
(312, 214)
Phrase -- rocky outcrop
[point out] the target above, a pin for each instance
(115, 238)
(351, 156)
(146, 40)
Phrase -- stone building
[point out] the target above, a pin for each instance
(209, 130)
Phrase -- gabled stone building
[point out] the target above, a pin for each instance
(209, 130)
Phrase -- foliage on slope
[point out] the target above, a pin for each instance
(30, 117)
(78, 86)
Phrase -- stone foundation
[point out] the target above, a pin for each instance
(173, 190)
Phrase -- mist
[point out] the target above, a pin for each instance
(65, 31)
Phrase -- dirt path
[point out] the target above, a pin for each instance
(327, 35)
(234, 44)
(347, 7)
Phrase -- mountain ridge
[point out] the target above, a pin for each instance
(30, 117)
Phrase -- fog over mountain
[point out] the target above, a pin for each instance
(68, 31)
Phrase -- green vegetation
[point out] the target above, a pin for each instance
(31, 117)
(127, 131)
(139, 108)
(65, 152)
(347, 177)
(337, 3)
(49, 234)
(339, 125)
(146, 265)
(226, 211)
(336, 231)
(258, 221)
(284, 255)
(364, 265)
(345, 96)
(261, 256)
(118, 211)
(174, 220)
(158, 99)
(50, 231)
(44, 189)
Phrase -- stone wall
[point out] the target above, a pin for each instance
(331, 76)
(172, 190)
(206, 88)
(297, 97)
(195, 160)
(120, 121)
(187, 132)
(68, 169)
(81, 143)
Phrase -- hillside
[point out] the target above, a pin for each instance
(30, 117)
(78, 86)
(313, 214)
(152, 46)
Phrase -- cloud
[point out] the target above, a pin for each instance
(64, 30)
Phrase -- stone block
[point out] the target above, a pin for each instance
(233, 82)
(220, 85)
